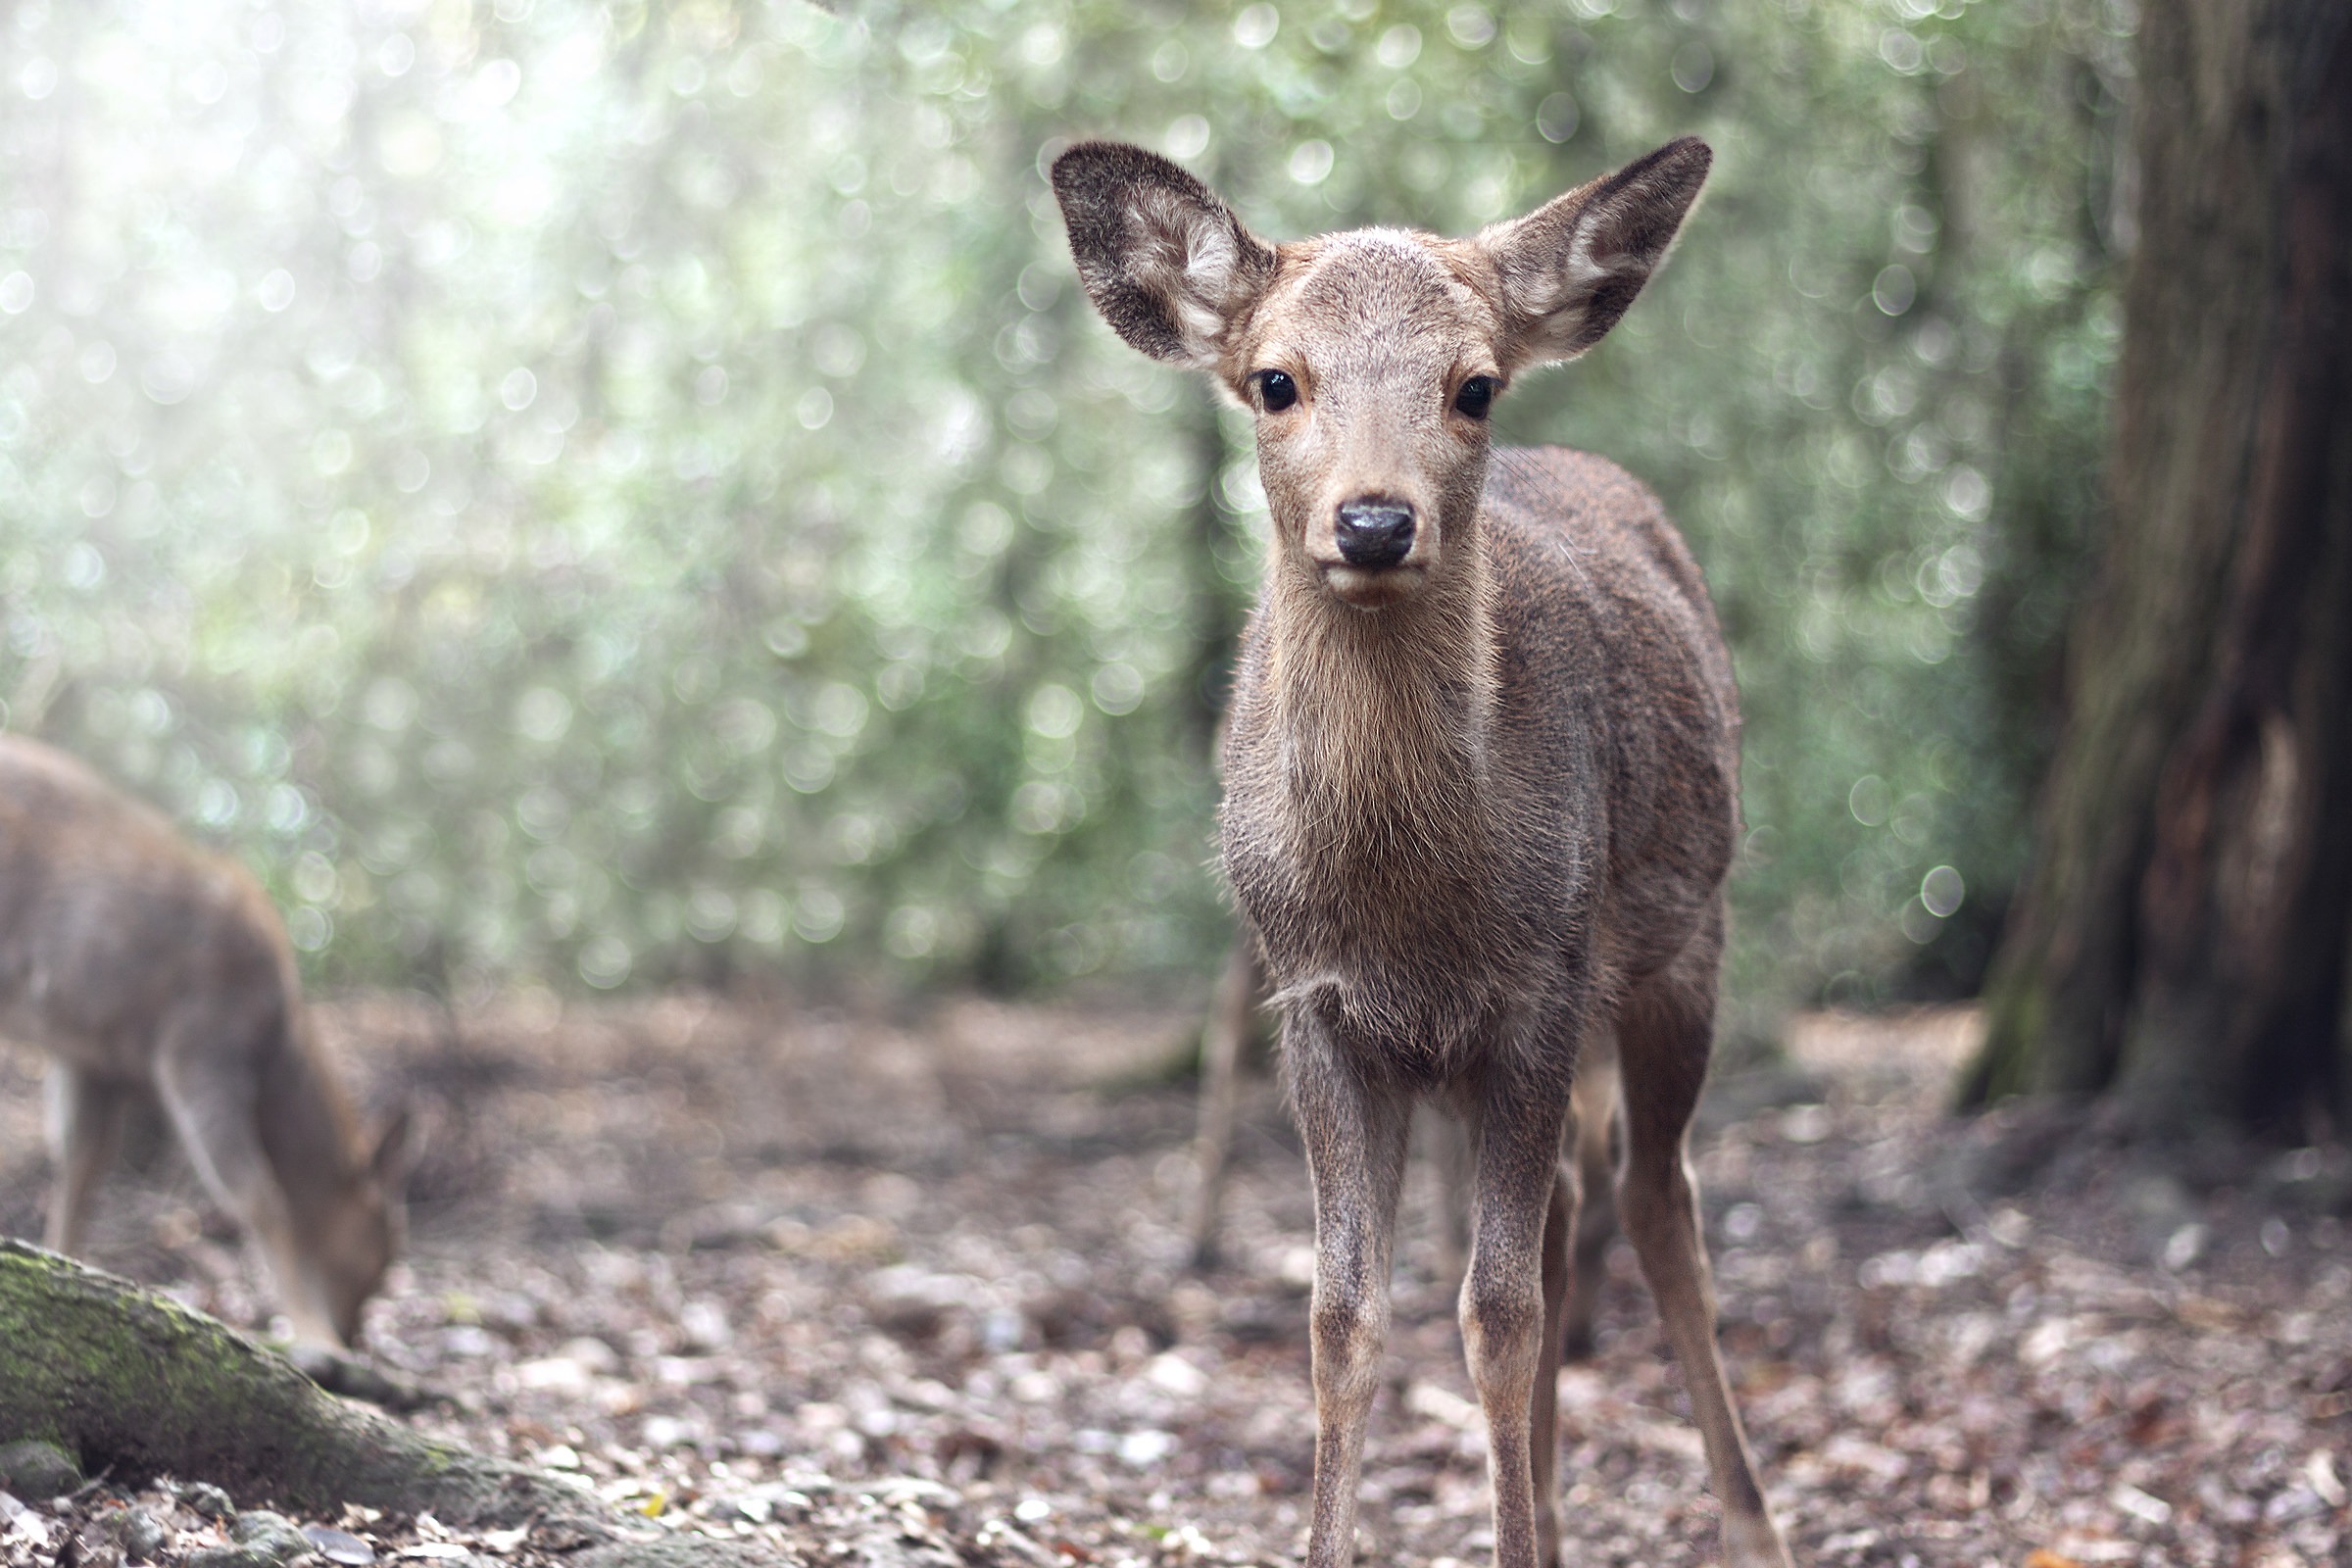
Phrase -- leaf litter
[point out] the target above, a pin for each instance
(896, 1293)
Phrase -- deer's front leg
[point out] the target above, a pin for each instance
(1505, 1310)
(1355, 1136)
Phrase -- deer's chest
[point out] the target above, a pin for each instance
(1411, 953)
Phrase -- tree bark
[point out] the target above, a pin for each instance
(125, 1378)
(2183, 941)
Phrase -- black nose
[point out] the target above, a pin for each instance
(1375, 533)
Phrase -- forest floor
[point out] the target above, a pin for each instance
(897, 1292)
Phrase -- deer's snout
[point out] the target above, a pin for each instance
(1374, 532)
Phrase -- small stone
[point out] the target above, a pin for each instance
(36, 1469)
(94, 1548)
(272, 1533)
(207, 1500)
(340, 1546)
(231, 1556)
(143, 1533)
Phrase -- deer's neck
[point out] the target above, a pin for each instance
(1385, 719)
(307, 1126)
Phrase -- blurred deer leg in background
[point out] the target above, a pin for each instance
(1598, 1139)
(1449, 1152)
(85, 1121)
(1232, 1014)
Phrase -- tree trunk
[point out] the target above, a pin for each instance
(121, 1378)
(2183, 938)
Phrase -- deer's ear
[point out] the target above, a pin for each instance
(1166, 261)
(1570, 268)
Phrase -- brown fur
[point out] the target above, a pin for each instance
(1241, 987)
(1480, 795)
(142, 964)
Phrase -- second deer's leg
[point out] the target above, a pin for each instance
(1663, 1038)
(1511, 1301)
(1449, 1150)
(1595, 1156)
(1230, 1014)
(85, 1118)
(1354, 1133)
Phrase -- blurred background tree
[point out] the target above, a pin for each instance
(631, 493)
(2187, 929)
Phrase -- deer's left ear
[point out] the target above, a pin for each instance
(1166, 261)
(1570, 268)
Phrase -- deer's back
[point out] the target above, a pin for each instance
(110, 921)
(1616, 684)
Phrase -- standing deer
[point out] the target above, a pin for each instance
(1481, 773)
(142, 964)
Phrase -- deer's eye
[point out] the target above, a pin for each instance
(1277, 390)
(1476, 396)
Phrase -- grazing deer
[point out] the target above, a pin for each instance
(1482, 773)
(143, 964)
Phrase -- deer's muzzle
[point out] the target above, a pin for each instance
(1374, 533)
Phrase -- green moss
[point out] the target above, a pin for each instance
(37, 1469)
(2014, 1014)
(122, 1378)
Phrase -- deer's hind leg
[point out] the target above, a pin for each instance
(1664, 1035)
(85, 1123)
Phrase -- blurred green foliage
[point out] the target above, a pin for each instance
(634, 491)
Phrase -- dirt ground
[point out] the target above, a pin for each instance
(899, 1291)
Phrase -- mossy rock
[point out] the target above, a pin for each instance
(36, 1470)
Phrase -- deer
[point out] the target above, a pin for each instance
(1481, 775)
(143, 965)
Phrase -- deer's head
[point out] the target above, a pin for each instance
(1372, 358)
(355, 1229)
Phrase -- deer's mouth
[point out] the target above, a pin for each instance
(1372, 587)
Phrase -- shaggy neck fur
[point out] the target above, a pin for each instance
(1385, 717)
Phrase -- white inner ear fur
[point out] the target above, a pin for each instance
(1584, 269)
(1198, 285)
(1555, 284)
(1567, 286)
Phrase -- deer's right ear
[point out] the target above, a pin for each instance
(1166, 261)
(1571, 269)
